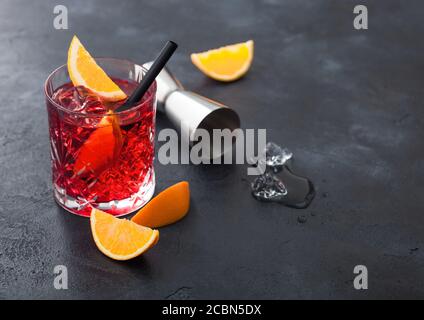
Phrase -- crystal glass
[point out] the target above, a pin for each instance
(101, 158)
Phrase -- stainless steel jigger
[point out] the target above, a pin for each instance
(189, 111)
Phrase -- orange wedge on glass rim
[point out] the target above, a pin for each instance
(84, 71)
(120, 239)
(169, 206)
(227, 63)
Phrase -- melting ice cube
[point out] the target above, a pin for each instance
(276, 156)
(268, 187)
(279, 183)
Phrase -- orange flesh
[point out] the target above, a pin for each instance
(84, 71)
(225, 62)
(121, 239)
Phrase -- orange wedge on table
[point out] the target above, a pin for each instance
(120, 239)
(167, 207)
(227, 63)
(84, 71)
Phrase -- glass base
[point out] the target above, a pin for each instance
(117, 208)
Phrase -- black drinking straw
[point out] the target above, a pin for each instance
(160, 62)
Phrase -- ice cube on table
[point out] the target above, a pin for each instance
(276, 156)
(268, 187)
(279, 183)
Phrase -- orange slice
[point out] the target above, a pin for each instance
(227, 63)
(84, 71)
(167, 207)
(101, 149)
(120, 239)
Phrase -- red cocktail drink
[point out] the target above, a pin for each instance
(101, 158)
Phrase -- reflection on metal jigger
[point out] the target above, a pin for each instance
(190, 112)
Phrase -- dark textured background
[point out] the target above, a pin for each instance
(348, 103)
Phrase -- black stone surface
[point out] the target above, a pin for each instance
(348, 103)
